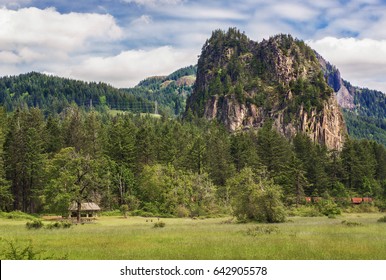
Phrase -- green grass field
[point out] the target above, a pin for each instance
(114, 238)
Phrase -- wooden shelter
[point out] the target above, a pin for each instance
(88, 209)
(356, 200)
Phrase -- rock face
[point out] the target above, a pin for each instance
(326, 127)
(344, 96)
(242, 84)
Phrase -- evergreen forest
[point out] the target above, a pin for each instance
(175, 167)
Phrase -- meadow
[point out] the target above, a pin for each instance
(349, 236)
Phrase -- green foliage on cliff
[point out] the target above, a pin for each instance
(276, 74)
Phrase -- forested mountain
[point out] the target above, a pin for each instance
(54, 94)
(243, 84)
(170, 92)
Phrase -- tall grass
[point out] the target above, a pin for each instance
(136, 238)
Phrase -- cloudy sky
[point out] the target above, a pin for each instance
(124, 41)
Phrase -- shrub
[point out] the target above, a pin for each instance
(159, 224)
(363, 208)
(53, 225)
(182, 211)
(328, 207)
(306, 211)
(256, 199)
(260, 230)
(142, 213)
(66, 224)
(382, 220)
(35, 224)
(57, 225)
(111, 213)
(124, 208)
(351, 224)
(20, 252)
(17, 215)
(197, 211)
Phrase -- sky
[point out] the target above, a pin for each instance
(121, 42)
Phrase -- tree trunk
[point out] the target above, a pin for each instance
(79, 204)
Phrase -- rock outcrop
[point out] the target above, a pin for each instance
(242, 84)
(344, 96)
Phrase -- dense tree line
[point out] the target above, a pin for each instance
(172, 167)
(54, 94)
(363, 127)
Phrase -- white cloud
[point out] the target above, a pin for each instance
(8, 57)
(209, 13)
(292, 11)
(360, 61)
(129, 67)
(48, 29)
(142, 20)
(154, 3)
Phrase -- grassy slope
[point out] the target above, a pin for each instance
(134, 238)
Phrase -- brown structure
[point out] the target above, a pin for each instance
(356, 200)
(87, 210)
(353, 200)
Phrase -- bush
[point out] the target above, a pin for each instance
(363, 208)
(260, 230)
(20, 252)
(53, 225)
(351, 224)
(36, 224)
(382, 220)
(328, 207)
(306, 211)
(197, 211)
(159, 224)
(124, 208)
(182, 211)
(142, 213)
(256, 199)
(17, 215)
(57, 225)
(111, 213)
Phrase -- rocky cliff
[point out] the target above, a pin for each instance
(243, 84)
(344, 95)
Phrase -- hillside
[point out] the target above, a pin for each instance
(170, 91)
(53, 94)
(364, 109)
(244, 84)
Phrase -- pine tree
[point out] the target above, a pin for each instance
(5, 192)
(25, 159)
(53, 139)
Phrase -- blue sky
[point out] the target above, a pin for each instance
(124, 41)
